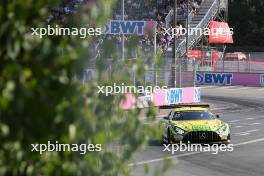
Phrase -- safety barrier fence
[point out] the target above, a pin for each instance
(163, 97)
(230, 79)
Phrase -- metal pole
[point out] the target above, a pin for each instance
(187, 43)
(175, 44)
(212, 62)
(223, 58)
(237, 64)
(194, 72)
(155, 55)
(134, 78)
(227, 9)
(226, 20)
(249, 58)
(123, 38)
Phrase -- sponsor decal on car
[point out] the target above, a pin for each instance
(201, 128)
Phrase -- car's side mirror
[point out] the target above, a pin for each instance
(217, 116)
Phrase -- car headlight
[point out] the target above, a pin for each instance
(223, 130)
(178, 130)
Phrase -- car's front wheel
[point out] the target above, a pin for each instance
(228, 141)
(229, 137)
(169, 136)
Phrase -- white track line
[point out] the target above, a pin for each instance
(246, 124)
(250, 142)
(257, 123)
(243, 134)
(233, 121)
(246, 132)
(244, 88)
(188, 154)
(161, 159)
(250, 118)
(237, 127)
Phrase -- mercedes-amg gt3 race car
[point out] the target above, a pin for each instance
(194, 124)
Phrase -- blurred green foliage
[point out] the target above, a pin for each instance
(249, 25)
(40, 102)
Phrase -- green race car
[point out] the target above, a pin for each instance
(194, 124)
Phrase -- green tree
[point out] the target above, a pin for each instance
(40, 101)
(246, 17)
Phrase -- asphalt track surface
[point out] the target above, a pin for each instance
(243, 109)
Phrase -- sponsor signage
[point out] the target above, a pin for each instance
(174, 96)
(147, 96)
(214, 78)
(116, 27)
(229, 79)
(262, 79)
(164, 97)
(196, 54)
(197, 94)
(220, 33)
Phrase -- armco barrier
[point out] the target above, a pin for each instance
(230, 79)
(164, 97)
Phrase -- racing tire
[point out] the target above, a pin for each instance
(228, 141)
(169, 136)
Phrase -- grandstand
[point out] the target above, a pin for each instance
(198, 12)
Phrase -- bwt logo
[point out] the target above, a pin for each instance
(147, 96)
(199, 78)
(214, 78)
(197, 95)
(125, 27)
(174, 96)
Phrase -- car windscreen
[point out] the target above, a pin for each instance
(193, 115)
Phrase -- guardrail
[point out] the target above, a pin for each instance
(230, 79)
(239, 66)
(164, 97)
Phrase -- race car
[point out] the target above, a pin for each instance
(194, 124)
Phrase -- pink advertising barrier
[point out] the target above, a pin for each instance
(164, 97)
(129, 101)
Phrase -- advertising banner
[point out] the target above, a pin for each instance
(196, 54)
(117, 27)
(229, 79)
(262, 80)
(164, 97)
(220, 33)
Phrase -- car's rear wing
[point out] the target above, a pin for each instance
(198, 105)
